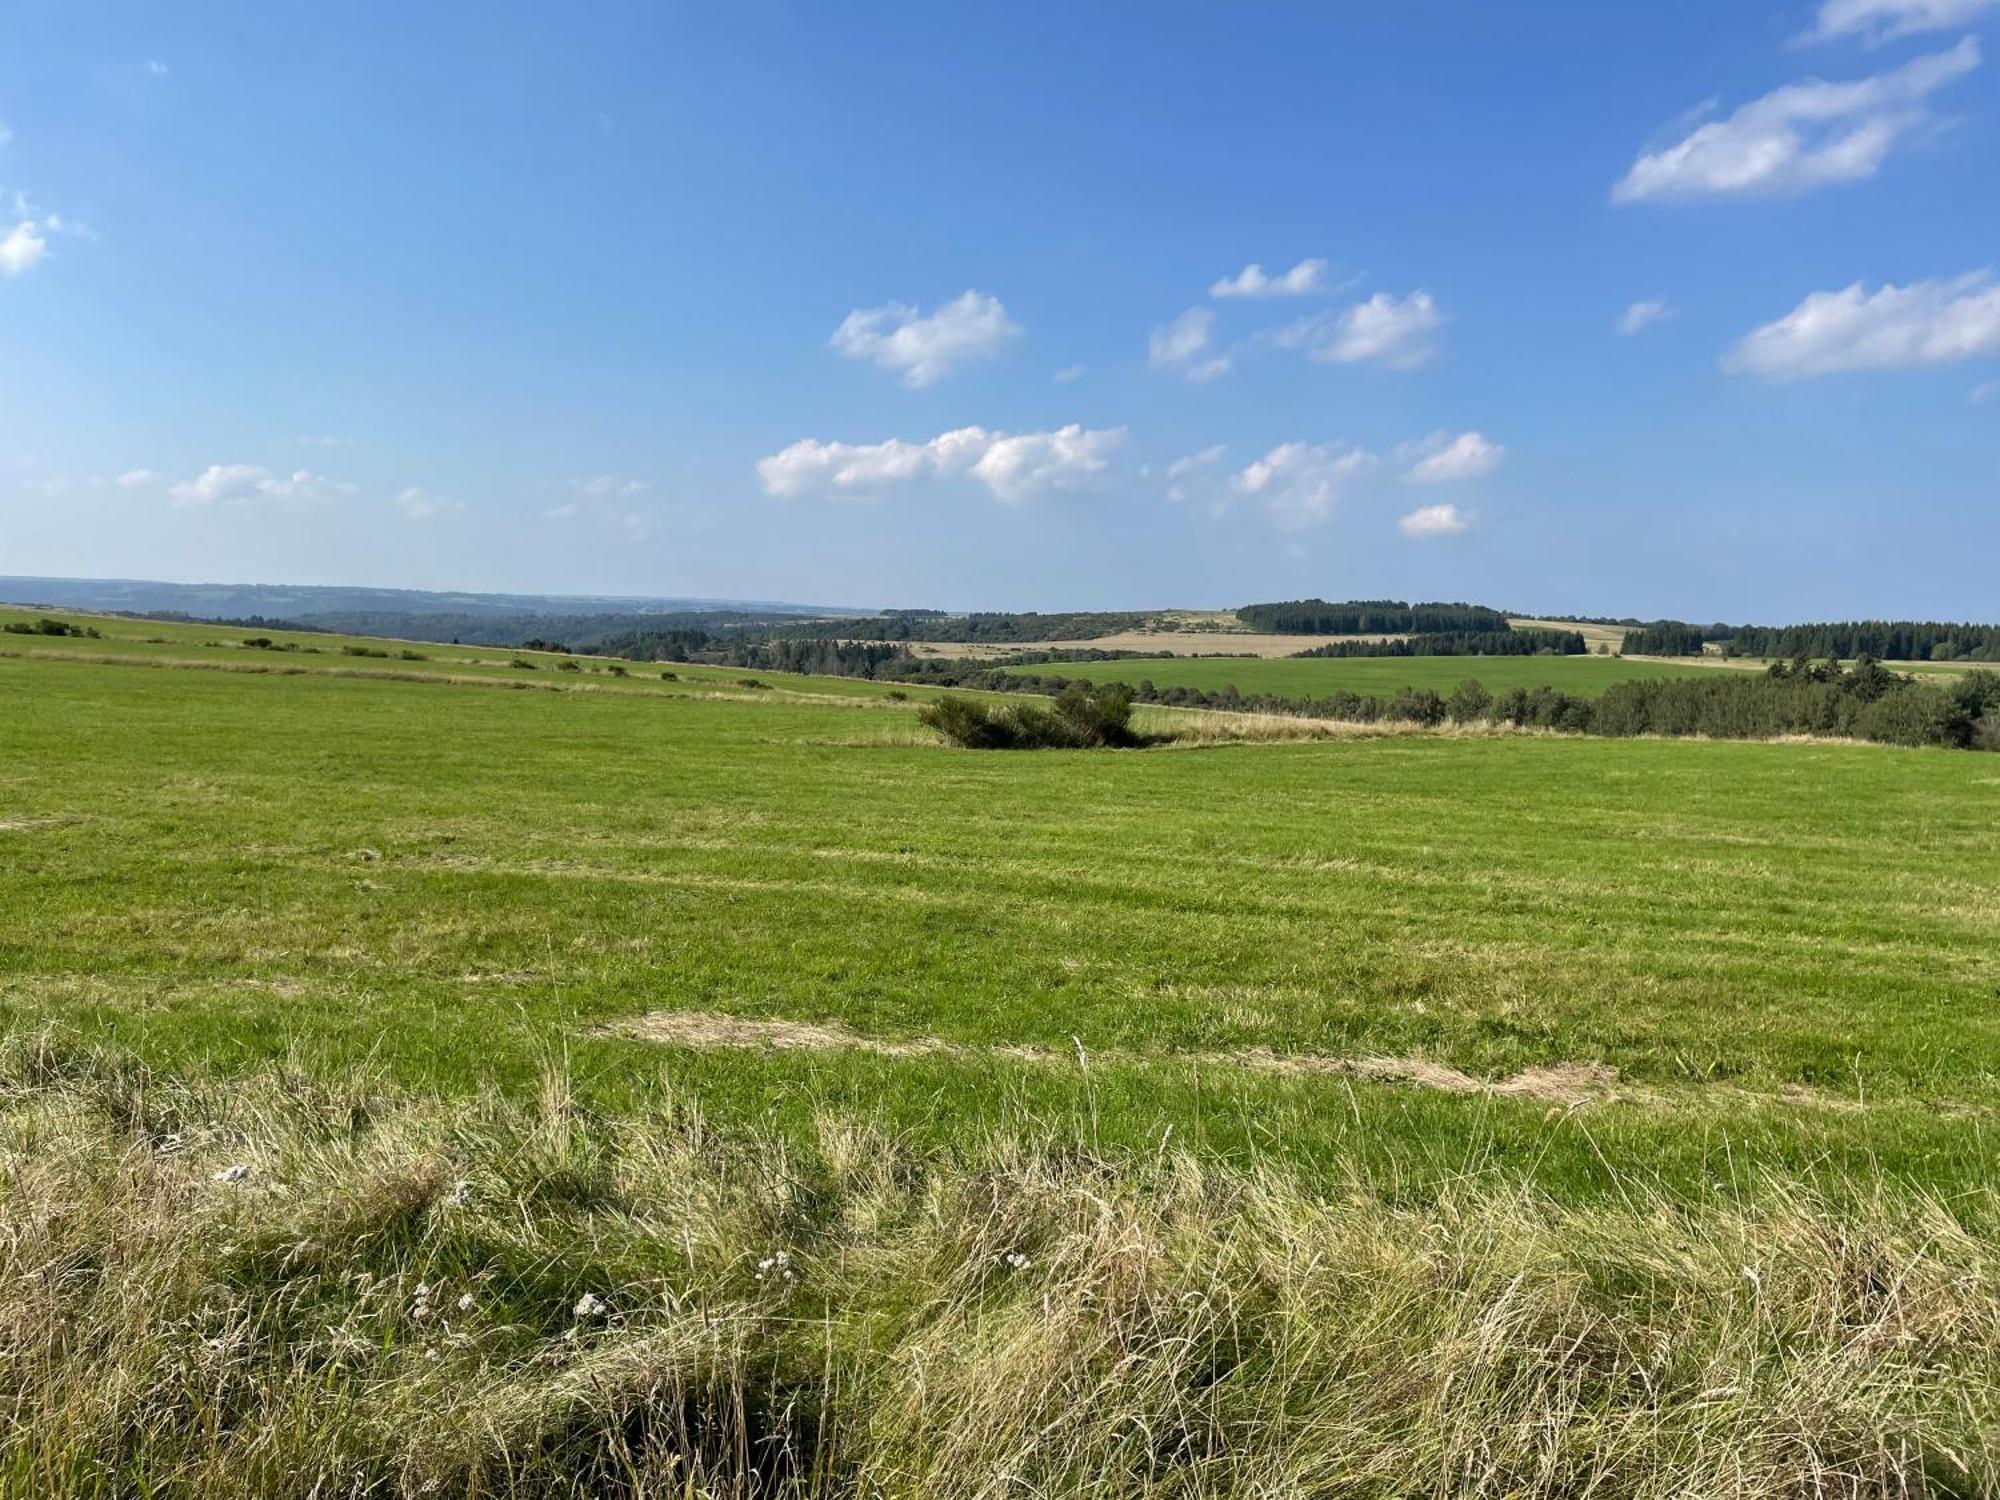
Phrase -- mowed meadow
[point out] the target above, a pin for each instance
(451, 1076)
(1303, 678)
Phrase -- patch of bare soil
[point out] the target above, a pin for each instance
(1559, 1083)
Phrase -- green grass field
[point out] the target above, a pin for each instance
(1609, 1020)
(1315, 677)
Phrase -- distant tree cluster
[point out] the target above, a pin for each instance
(1664, 638)
(1866, 702)
(929, 625)
(1510, 642)
(1369, 617)
(1888, 640)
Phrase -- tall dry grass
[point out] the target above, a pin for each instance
(289, 1286)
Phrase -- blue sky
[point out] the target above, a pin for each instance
(1638, 308)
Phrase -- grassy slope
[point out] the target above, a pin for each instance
(454, 881)
(1314, 677)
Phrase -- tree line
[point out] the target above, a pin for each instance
(1886, 640)
(1509, 642)
(1368, 617)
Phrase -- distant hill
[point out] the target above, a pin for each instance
(308, 603)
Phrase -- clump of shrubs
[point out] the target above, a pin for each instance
(670, 677)
(523, 664)
(751, 682)
(53, 627)
(408, 655)
(569, 664)
(364, 651)
(1081, 717)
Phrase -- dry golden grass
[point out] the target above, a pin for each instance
(290, 1285)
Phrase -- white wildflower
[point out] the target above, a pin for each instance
(237, 1173)
(1016, 1261)
(467, 1302)
(588, 1306)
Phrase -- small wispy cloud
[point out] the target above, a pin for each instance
(925, 347)
(22, 248)
(421, 504)
(1805, 135)
(1433, 521)
(608, 487)
(1068, 374)
(1891, 328)
(1879, 21)
(241, 484)
(1441, 457)
(1643, 315)
(1253, 280)
(133, 479)
(1183, 347)
(1399, 333)
(1301, 484)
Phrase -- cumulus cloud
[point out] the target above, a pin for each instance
(1254, 281)
(241, 484)
(1301, 484)
(1441, 457)
(133, 479)
(1012, 466)
(1802, 136)
(1643, 315)
(924, 347)
(1892, 328)
(157, 68)
(1434, 520)
(1397, 332)
(22, 248)
(1877, 21)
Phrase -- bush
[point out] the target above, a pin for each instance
(52, 627)
(670, 677)
(408, 655)
(363, 651)
(751, 682)
(616, 670)
(1468, 701)
(568, 665)
(523, 664)
(258, 642)
(1082, 717)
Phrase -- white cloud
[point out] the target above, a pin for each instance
(1985, 391)
(1892, 328)
(1434, 520)
(1877, 21)
(6, 133)
(157, 68)
(1254, 281)
(1180, 344)
(924, 347)
(1068, 375)
(1802, 136)
(22, 248)
(1300, 484)
(421, 505)
(239, 484)
(1183, 469)
(608, 487)
(1643, 315)
(1442, 457)
(1397, 332)
(325, 441)
(1012, 466)
(133, 479)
